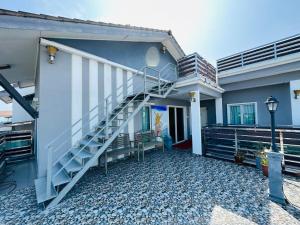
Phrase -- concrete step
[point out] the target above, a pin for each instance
(41, 190)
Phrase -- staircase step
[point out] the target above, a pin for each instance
(70, 166)
(89, 143)
(41, 190)
(110, 126)
(61, 178)
(81, 153)
(98, 135)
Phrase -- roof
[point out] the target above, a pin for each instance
(6, 114)
(21, 14)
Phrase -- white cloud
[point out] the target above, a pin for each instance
(187, 19)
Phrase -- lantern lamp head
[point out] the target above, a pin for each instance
(192, 95)
(52, 53)
(297, 93)
(272, 104)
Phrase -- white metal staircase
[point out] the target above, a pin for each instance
(64, 171)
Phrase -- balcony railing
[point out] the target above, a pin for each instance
(223, 142)
(266, 52)
(194, 64)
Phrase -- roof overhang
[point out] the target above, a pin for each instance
(20, 34)
(183, 87)
(59, 27)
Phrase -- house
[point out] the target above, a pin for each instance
(95, 80)
(251, 76)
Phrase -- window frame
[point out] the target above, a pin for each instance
(242, 113)
(150, 119)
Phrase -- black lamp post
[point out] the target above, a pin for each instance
(272, 104)
(275, 159)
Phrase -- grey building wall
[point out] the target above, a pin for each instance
(259, 95)
(131, 54)
(54, 103)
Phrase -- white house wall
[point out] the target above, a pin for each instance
(69, 89)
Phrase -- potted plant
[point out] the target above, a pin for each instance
(265, 164)
(239, 157)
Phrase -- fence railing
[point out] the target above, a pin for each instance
(16, 145)
(224, 142)
(194, 64)
(269, 51)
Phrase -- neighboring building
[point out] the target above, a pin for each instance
(249, 77)
(95, 80)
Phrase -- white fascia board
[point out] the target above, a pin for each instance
(260, 66)
(198, 81)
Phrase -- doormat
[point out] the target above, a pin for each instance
(186, 145)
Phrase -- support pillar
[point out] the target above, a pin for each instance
(275, 178)
(196, 123)
(219, 110)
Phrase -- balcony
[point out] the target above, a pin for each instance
(271, 51)
(195, 65)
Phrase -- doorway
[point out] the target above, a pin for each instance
(203, 111)
(176, 124)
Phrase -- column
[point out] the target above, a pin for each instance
(275, 178)
(130, 92)
(93, 93)
(76, 95)
(196, 123)
(219, 110)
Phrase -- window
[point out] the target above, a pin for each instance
(146, 118)
(242, 114)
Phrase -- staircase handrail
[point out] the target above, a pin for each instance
(51, 151)
(92, 139)
(81, 128)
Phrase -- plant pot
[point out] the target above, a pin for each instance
(258, 162)
(238, 159)
(265, 170)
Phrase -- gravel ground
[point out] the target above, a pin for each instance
(167, 188)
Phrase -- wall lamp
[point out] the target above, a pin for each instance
(5, 67)
(52, 52)
(297, 93)
(164, 49)
(192, 95)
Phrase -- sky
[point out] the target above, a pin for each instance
(213, 28)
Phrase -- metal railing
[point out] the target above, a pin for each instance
(194, 64)
(266, 52)
(65, 138)
(16, 145)
(224, 142)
